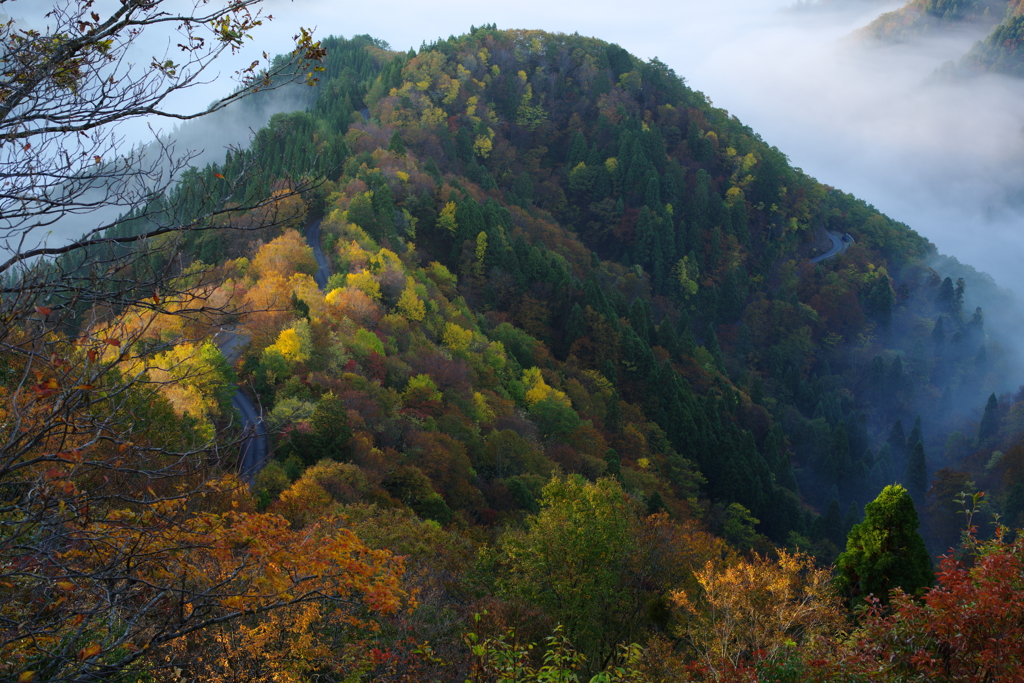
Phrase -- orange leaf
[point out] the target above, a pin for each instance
(85, 387)
(156, 298)
(89, 651)
(112, 341)
(92, 355)
(65, 585)
(26, 676)
(43, 310)
(218, 175)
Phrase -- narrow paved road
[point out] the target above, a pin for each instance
(255, 447)
(313, 239)
(838, 246)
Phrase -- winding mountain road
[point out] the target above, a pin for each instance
(255, 446)
(313, 240)
(839, 245)
(254, 449)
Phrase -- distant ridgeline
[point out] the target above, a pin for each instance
(930, 17)
(999, 52)
(549, 254)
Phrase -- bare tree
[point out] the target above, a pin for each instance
(118, 535)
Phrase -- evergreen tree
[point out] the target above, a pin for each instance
(885, 551)
(1014, 506)
(880, 299)
(841, 452)
(645, 246)
(613, 414)
(832, 524)
(989, 425)
(640, 320)
(939, 334)
(612, 462)
(577, 150)
(655, 504)
(851, 519)
(916, 475)
(397, 145)
(915, 434)
(575, 327)
(944, 299)
(897, 442)
(711, 344)
(330, 433)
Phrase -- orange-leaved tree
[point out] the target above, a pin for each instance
(750, 612)
(121, 542)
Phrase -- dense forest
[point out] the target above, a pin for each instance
(575, 401)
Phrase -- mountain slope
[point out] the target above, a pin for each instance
(1000, 51)
(545, 247)
(923, 17)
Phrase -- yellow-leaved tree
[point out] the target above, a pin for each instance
(757, 610)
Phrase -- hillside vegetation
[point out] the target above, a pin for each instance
(920, 18)
(574, 367)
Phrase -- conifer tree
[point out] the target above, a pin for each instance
(1013, 506)
(646, 240)
(989, 425)
(711, 344)
(832, 524)
(916, 475)
(915, 434)
(885, 551)
(397, 145)
(897, 442)
(575, 327)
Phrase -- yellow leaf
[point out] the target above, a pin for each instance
(89, 651)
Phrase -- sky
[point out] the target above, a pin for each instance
(947, 159)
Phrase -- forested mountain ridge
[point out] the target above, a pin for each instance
(574, 366)
(1000, 51)
(573, 232)
(919, 18)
